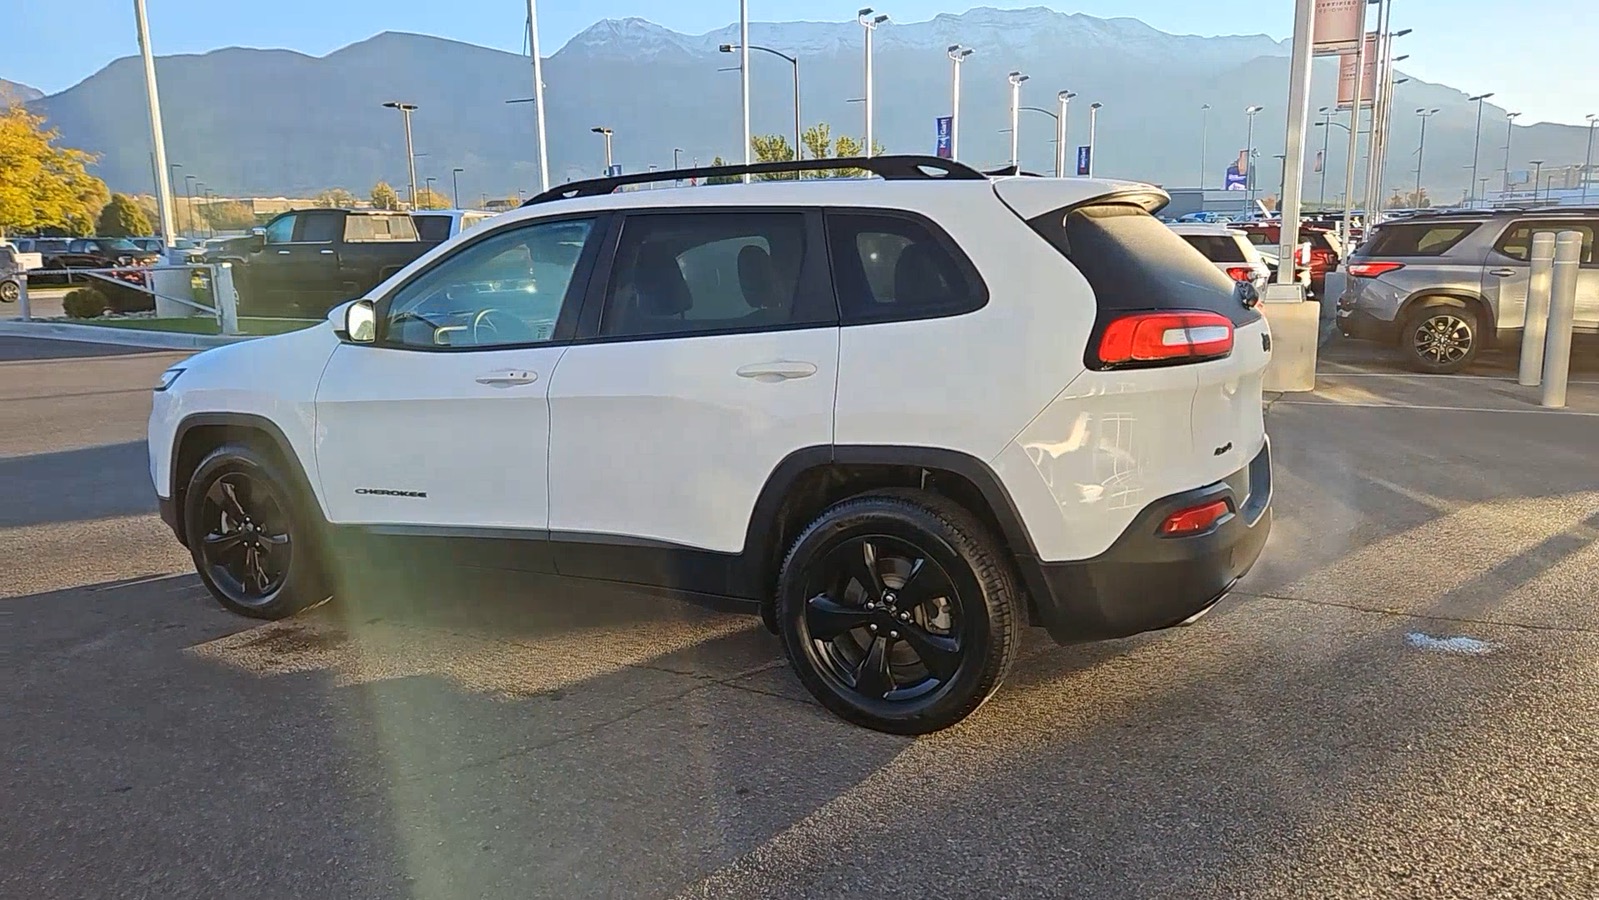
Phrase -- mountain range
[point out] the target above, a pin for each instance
(17, 92)
(278, 122)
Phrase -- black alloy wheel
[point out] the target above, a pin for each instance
(251, 535)
(1442, 339)
(898, 612)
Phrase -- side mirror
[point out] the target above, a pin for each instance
(258, 231)
(355, 322)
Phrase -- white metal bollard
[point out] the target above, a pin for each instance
(1536, 323)
(1562, 315)
(226, 300)
(24, 309)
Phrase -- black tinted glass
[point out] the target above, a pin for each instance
(1220, 248)
(1418, 238)
(891, 268)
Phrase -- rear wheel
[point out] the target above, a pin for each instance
(898, 612)
(1441, 337)
(253, 543)
(9, 291)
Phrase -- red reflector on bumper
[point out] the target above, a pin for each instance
(1195, 519)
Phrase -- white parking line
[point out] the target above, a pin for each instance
(1539, 411)
(1427, 375)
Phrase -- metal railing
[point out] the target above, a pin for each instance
(218, 278)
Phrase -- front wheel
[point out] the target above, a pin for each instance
(1441, 337)
(898, 612)
(253, 542)
(9, 291)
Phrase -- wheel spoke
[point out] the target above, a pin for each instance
(940, 654)
(827, 619)
(219, 543)
(223, 494)
(926, 583)
(872, 678)
(862, 567)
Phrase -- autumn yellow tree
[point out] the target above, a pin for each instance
(44, 186)
(384, 196)
(427, 198)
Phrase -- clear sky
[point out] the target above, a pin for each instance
(1539, 58)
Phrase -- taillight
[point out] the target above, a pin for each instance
(1240, 273)
(1166, 337)
(1373, 269)
(1195, 519)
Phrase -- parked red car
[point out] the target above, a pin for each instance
(1325, 251)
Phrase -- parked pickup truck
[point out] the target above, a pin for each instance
(306, 262)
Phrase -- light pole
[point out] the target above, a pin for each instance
(1476, 144)
(427, 187)
(410, 155)
(1015, 79)
(676, 153)
(1064, 99)
(538, 93)
(605, 133)
(172, 178)
(743, 77)
(1282, 176)
(1249, 158)
(1093, 135)
(1384, 112)
(1204, 139)
(188, 195)
(957, 55)
(1537, 170)
(163, 186)
(200, 185)
(1421, 149)
(729, 48)
(455, 184)
(869, 22)
(1587, 163)
(1510, 132)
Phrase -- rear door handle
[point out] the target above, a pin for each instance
(781, 370)
(1502, 273)
(508, 378)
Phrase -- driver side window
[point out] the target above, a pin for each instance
(506, 290)
(281, 231)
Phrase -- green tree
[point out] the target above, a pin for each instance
(335, 198)
(44, 187)
(773, 148)
(384, 197)
(721, 179)
(230, 215)
(426, 198)
(818, 140)
(122, 217)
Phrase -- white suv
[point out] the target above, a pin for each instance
(901, 418)
(1228, 249)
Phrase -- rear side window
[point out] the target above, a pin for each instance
(1418, 238)
(1516, 242)
(1133, 263)
(318, 228)
(367, 229)
(433, 228)
(892, 268)
(1222, 248)
(707, 272)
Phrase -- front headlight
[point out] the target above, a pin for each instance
(167, 378)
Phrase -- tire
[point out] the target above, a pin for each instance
(846, 581)
(9, 291)
(240, 507)
(1441, 337)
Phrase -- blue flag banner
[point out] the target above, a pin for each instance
(945, 146)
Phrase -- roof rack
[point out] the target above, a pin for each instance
(891, 168)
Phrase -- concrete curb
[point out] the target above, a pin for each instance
(122, 337)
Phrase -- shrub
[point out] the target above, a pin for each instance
(121, 299)
(85, 303)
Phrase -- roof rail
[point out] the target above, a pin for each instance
(891, 168)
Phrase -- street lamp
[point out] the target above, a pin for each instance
(1510, 132)
(1064, 99)
(1587, 164)
(1421, 149)
(744, 82)
(729, 48)
(410, 154)
(957, 55)
(605, 133)
(1015, 79)
(869, 22)
(1093, 134)
(188, 194)
(1476, 144)
(427, 186)
(200, 186)
(1249, 157)
(1537, 170)
(1326, 137)
(455, 184)
(172, 175)
(1204, 138)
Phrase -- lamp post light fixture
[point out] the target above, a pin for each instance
(1093, 136)
(1249, 156)
(1537, 170)
(455, 183)
(427, 187)
(957, 55)
(729, 48)
(1476, 144)
(1421, 149)
(605, 133)
(410, 153)
(869, 23)
(1015, 79)
(1064, 100)
(1510, 132)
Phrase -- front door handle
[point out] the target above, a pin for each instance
(781, 370)
(508, 378)
(327, 252)
(283, 253)
(1502, 273)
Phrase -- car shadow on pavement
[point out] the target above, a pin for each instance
(101, 487)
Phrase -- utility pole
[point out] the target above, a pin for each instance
(163, 186)
(538, 94)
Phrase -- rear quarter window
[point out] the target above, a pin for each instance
(370, 229)
(1418, 238)
(1222, 248)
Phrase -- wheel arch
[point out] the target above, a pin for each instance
(200, 433)
(810, 480)
(1472, 300)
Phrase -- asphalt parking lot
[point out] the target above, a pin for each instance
(1402, 700)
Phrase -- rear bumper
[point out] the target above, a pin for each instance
(1364, 326)
(1146, 582)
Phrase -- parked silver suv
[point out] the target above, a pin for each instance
(1442, 286)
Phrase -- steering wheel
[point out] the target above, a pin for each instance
(486, 328)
